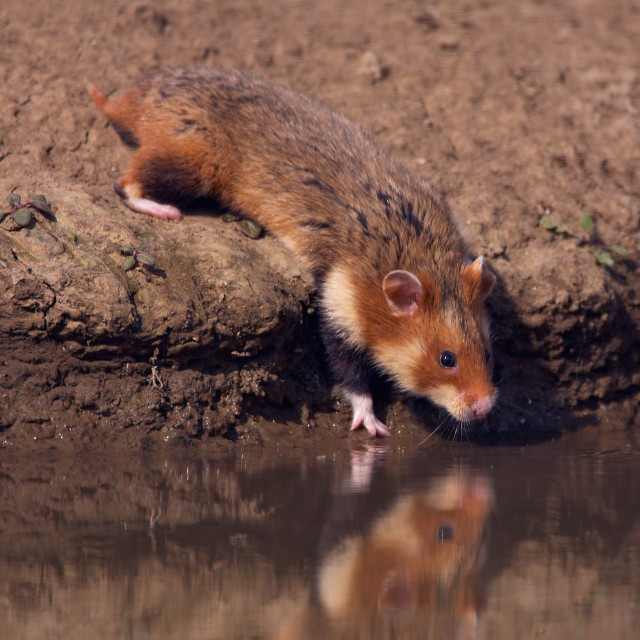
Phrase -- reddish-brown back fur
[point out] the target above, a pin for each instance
(292, 164)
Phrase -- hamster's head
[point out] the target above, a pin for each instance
(436, 341)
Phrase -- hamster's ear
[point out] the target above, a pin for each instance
(478, 279)
(403, 292)
(398, 594)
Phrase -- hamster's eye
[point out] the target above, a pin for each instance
(445, 532)
(487, 355)
(447, 360)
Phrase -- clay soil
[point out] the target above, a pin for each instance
(516, 109)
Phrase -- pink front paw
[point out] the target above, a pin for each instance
(363, 415)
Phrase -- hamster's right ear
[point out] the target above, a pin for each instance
(403, 292)
(478, 279)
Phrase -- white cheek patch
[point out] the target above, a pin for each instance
(337, 577)
(400, 360)
(446, 494)
(448, 397)
(340, 303)
(400, 524)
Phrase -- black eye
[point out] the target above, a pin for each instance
(487, 355)
(445, 533)
(447, 360)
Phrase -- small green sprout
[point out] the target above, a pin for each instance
(549, 223)
(40, 204)
(129, 263)
(604, 255)
(136, 255)
(144, 257)
(586, 224)
(22, 217)
(250, 228)
(21, 212)
(619, 251)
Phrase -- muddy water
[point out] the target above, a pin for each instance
(350, 540)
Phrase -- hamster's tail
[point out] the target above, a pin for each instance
(122, 112)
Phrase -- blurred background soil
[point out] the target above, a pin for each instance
(518, 110)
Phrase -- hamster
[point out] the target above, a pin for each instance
(398, 293)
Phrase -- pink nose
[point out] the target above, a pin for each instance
(481, 407)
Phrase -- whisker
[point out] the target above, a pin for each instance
(466, 428)
(433, 433)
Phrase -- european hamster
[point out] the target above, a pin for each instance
(398, 293)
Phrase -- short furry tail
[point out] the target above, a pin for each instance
(122, 113)
(98, 96)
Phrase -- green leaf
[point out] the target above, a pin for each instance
(144, 257)
(22, 217)
(620, 251)
(586, 224)
(250, 228)
(604, 257)
(14, 199)
(229, 217)
(42, 207)
(548, 223)
(129, 263)
(561, 228)
(127, 249)
(73, 237)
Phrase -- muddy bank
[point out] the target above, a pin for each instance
(516, 111)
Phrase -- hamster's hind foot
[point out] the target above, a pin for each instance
(144, 205)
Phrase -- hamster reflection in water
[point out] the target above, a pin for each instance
(415, 571)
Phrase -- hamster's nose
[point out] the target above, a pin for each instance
(481, 407)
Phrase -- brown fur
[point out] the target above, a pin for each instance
(318, 182)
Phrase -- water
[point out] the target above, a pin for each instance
(353, 540)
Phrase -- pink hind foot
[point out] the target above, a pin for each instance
(155, 209)
(146, 206)
(363, 415)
